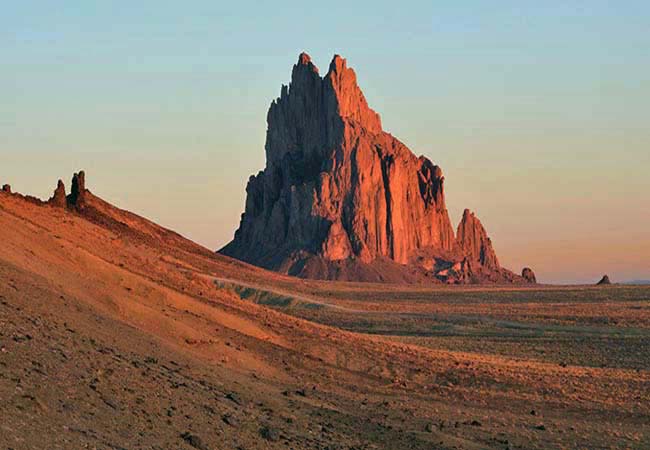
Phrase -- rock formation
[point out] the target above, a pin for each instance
(473, 241)
(340, 198)
(528, 275)
(604, 280)
(6, 188)
(58, 198)
(77, 190)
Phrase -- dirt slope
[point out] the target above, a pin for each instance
(116, 333)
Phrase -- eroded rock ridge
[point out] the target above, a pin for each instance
(340, 198)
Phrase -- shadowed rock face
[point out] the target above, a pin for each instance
(528, 275)
(78, 190)
(6, 188)
(604, 280)
(338, 188)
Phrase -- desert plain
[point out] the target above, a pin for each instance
(116, 333)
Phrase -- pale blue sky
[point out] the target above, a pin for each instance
(538, 112)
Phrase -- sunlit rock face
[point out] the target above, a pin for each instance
(340, 198)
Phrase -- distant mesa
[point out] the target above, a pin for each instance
(604, 280)
(341, 199)
(638, 282)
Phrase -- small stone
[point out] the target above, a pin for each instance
(230, 420)
(234, 398)
(194, 440)
(269, 433)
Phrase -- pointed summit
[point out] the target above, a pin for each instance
(58, 198)
(351, 104)
(304, 58)
(304, 67)
(604, 280)
(474, 242)
(338, 64)
(76, 197)
(341, 199)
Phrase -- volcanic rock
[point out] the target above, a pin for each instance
(340, 198)
(473, 241)
(604, 280)
(528, 275)
(6, 188)
(76, 198)
(58, 198)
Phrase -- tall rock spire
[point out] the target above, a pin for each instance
(339, 197)
(77, 196)
(474, 241)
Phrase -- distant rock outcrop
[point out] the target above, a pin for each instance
(604, 280)
(340, 198)
(474, 242)
(6, 188)
(528, 275)
(58, 198)
(76, 198)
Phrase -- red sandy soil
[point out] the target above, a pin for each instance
(117, 333)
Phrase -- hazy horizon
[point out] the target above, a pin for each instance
(537, 115)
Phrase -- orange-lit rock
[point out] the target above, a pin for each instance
(339, 194)
(58, 198)
(474, 242)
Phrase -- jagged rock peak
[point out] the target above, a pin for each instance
(473, 240)
(59, 198)
(340, 198)
(76, 198)
(304, 65)
(304, 59)
(335, 96)
(351, 102)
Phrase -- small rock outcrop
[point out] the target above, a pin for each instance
(6, 188)
(59, 198)
(474, 243)
(340, 198)
(528, 275)
(76, 198)
(604, 280)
